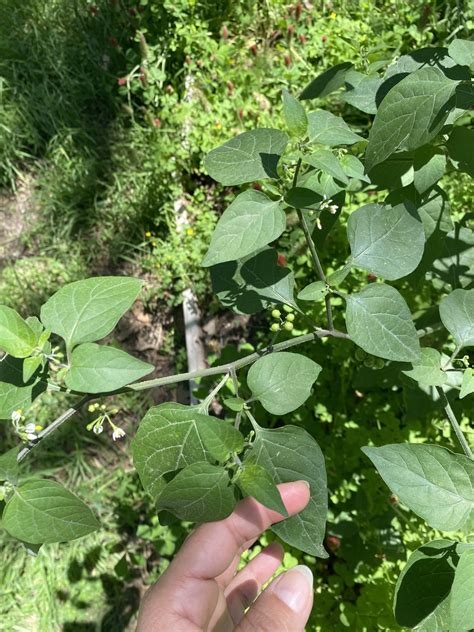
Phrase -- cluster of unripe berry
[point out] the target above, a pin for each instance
(369, 361)
(286, 322)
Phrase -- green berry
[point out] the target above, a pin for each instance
(288, 326)
(287, 308)
(369, 362)
(275, 327)
(290, 317)
(360, 355)
(276, 313)
(379, 363)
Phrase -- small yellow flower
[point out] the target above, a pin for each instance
(38, 428)
(218, 125)
(333, 15)
(147, 234)
(190, 232)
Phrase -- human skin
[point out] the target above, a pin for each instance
(201, 591)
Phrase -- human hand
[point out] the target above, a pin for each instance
(200, 590)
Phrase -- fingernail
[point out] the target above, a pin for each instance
(306, 483)
(294, 587)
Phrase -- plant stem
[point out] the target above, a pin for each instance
(454, 423)
(238, 364)
(453, 355)
(312, 249)
(54, 426)
(253, 421)
(208, 401)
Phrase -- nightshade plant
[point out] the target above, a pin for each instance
(196, 466)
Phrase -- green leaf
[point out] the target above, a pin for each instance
(459, 145)
(248, 157)
(9, 466)
(467, 383)
(411, 114)
(353, 167)
(236, 404)
(395, 172)
(251, 222)
(427, 370)
(363, 92)
(302, 197)
(462, 51)
(435, 56)
(16, 336)
(379, 321)
(425, 582)
(387, 241)
(429, 166)
(42, 512)
(220, 439)
(314, 291)
(326, 161)
(98, 369)
(457, 315)
(282, 381)
(433, 482)
(255, 481)
(253, 283)
(295, 115)
(327, 82)
(336, 278)
(172, 436)
(88, 310)
(462, 594)
(14, 393)
(199, 493)
(434, 213)
(327, 129)
(291, 454)
(30, 366)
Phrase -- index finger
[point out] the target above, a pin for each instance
(212, 547)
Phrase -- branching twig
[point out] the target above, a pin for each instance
(454, 423)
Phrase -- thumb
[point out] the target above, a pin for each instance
(285, 605)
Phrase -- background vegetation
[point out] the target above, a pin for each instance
(106, 111)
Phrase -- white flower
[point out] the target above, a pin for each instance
(31, 437)
(16, 416)
(30, 428)
(98, 428)
(118, 433)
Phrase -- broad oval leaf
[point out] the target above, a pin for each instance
(379, 321)
(255, 481)
(14, 392)
(363, 92)
(467, 386)
(251, 222)
(425, 582)
(99, 369)
(200, 493)
(427, 370)
(9, 466)
(411, 114)
(461, 606)
(387, 241)
(435, 483)
(291, 454)
(327, 129)
(328, 81)
(282, 381)
(172, 436)
(459, 145)
(462, 51)
(429, 166)
(295, 115)
(253, 283)
(248, 157)
(42, 512)
(326, 161)
(457, 314)
(16, 336)
(314, 291)
(88, 310)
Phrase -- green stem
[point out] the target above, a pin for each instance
(253, 421)
(312, 249)
(453, 356)
(54, 425)
(454, 423)
(208, 401)
(238, 364)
